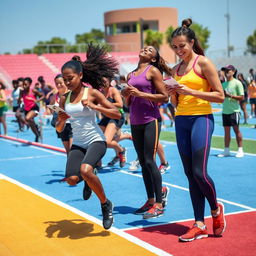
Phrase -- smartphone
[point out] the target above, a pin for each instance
(170, 82)
(55, 108)
(123, 86)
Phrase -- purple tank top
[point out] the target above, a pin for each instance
(142, 111)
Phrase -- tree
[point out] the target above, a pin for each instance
(251, 43)
(95, 36)
(168, 34)
(154, 38)
(202, 34)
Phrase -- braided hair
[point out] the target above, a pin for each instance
(96, 66)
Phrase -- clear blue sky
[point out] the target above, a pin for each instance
(25, 22)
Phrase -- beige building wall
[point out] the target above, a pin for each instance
(131, 41)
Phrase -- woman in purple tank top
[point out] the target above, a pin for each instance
(145, 89)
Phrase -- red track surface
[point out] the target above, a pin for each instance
(238, 239)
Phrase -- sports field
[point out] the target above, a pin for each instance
(40, 215)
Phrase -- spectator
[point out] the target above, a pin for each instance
(234, 92)
(252, 97)
(3, 107)
(243, 102)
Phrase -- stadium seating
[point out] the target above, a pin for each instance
(23, 65)
(48, 65)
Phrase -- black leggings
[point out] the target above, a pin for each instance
(78, 155)
(145, 140)
(193, 134)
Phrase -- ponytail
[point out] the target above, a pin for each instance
(96, 66)
(190, 34)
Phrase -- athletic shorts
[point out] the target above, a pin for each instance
(78, 155)
(253, 101)
(118, 122)
(66, 134)
(3, 110)
(231, 119)
(14, 109)
(35, 108)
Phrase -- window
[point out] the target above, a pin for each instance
(126, 28)
(109, 30)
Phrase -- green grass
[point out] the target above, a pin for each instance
(249, 146)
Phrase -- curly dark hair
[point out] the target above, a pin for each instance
(98, 64)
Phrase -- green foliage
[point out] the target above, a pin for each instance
(168, 34)
(94, 36)
(202, 34)
(59, 45)
(251, 43)
(249, 145)
(154, 38)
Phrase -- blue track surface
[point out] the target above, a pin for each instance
(42, 169)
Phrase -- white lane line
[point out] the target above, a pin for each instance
(185, 220)
(35, 147)
(186, 189)
(118, 232)
(212, 148)
(23, 158)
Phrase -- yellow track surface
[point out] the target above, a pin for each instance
(33, 226)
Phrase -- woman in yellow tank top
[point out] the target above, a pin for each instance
(198, 85)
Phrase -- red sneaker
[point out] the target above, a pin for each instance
(122, 158)
(219, 223)
(153, 212)
(144, 208)
(194, 233)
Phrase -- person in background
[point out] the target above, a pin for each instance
(234, 93)
(111, 126)
(81, 103)
(252, 75)
(31, 98)
(16, 105)
(3, 107)
(66, 135)
(197, 85)
(144, 91)
(243, 102)
(221, 75)
(252, 97)
(49, 92)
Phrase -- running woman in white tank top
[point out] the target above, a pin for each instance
(80, 104)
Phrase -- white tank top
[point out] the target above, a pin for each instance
(83, 122)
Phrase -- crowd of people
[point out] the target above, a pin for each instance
(94, 105)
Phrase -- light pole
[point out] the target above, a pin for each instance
(227, 15)
(141, 34)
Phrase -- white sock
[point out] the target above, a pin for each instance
(240, 149)
(226, 150)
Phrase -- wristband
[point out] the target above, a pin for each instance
(121, 110)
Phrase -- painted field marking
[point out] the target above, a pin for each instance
(118, 232)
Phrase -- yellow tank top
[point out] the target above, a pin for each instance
(190, 105)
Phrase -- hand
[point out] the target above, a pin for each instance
(183, 89)
(227, 94)
(132, 91)
(88, 104)
(63, 116)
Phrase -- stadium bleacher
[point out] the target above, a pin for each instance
(48, 65)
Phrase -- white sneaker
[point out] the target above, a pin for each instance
(224, 154)
(134, 165)
(240, 154)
